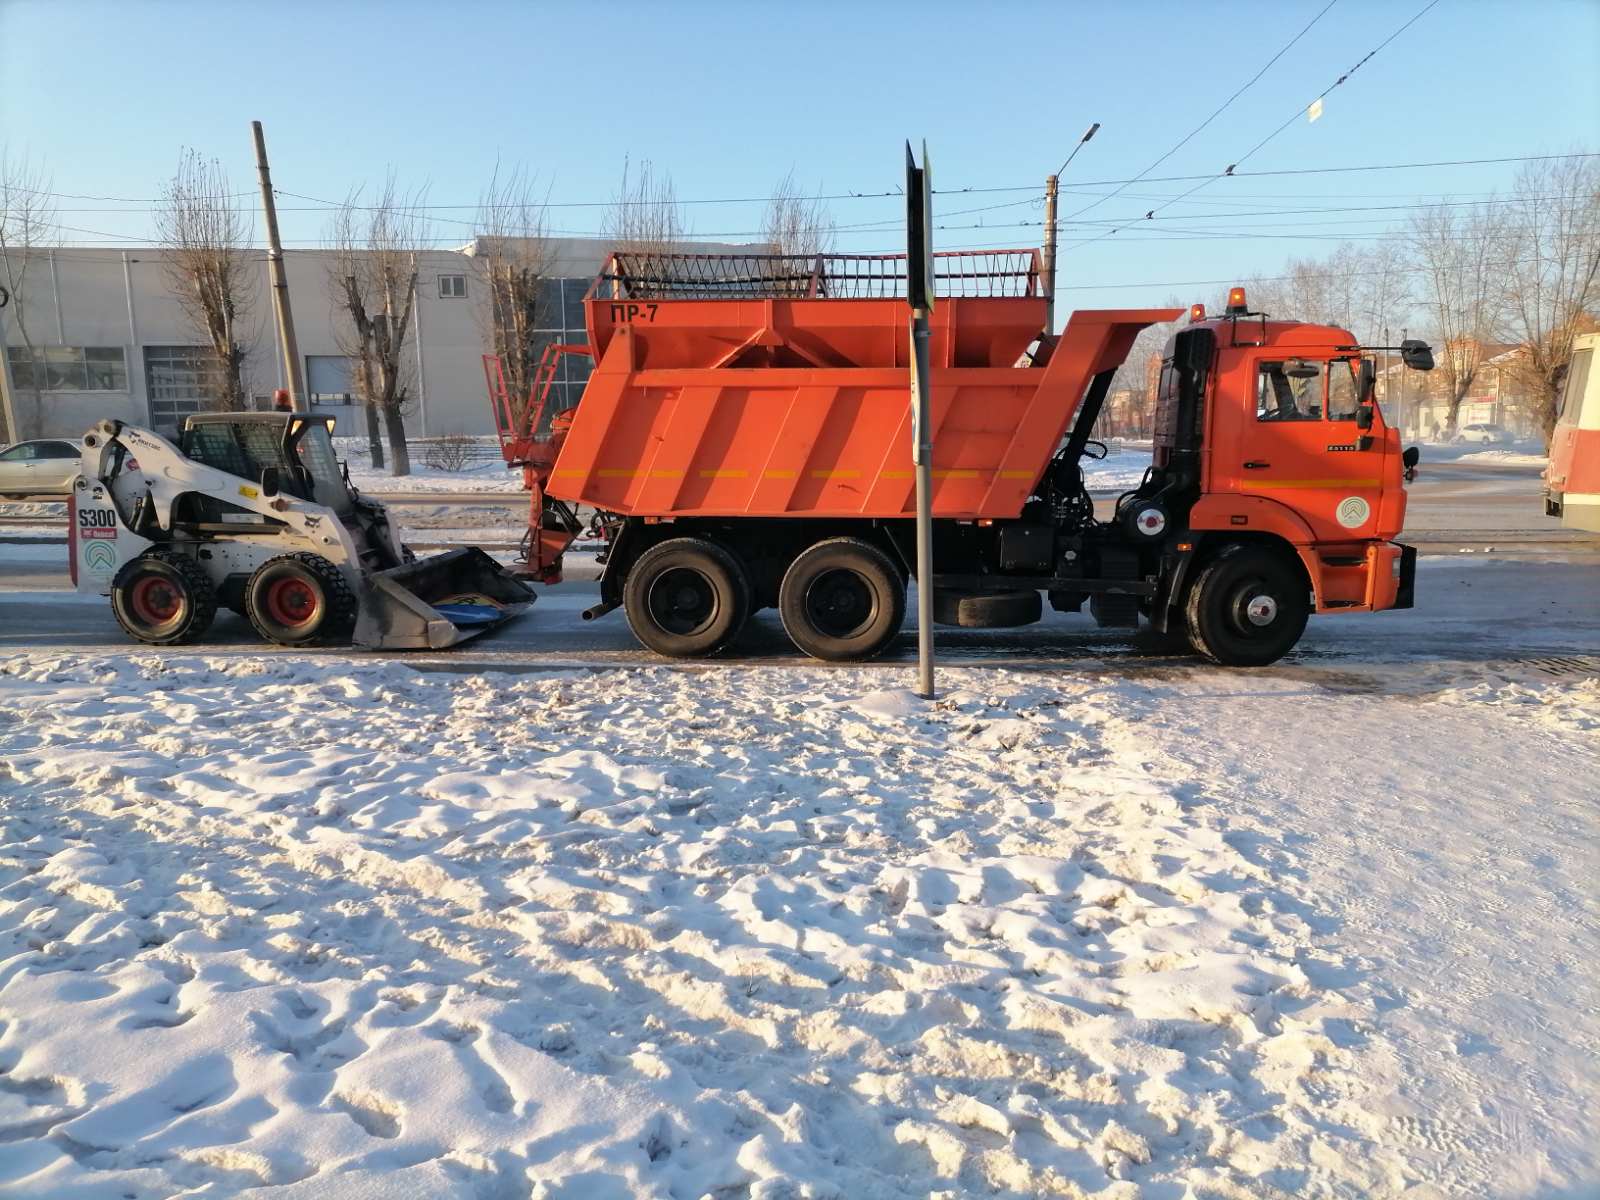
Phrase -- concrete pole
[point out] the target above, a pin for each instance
(922, 456)
(8, 410)
(280, 281)
(1050, 184)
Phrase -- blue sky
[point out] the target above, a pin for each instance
(730, 97)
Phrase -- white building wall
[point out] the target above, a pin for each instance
(108, 297)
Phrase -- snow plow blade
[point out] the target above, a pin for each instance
(436, 602)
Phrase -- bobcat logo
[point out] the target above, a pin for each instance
(1353, 512)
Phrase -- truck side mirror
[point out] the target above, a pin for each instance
(1416, 355)
(270, 482)
(1364, 417)
(1367, 380)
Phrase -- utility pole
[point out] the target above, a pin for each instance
(280, 281)
(8, 410)
(1050, 182)
(1051, 186)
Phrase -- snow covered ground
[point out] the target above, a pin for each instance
(348, 930)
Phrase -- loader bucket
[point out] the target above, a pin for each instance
(436, 602)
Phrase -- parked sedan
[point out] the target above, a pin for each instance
(40, 468)
(1482, 435)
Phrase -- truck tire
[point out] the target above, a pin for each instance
(1248, 607)
(686, 598)
(987, 610)
(163, 598)
(842, 599)
(296, 599)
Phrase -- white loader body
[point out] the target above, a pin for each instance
(154, 526)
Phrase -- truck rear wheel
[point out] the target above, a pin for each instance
(163, 598)
(1248, 608)
(686, 598)
(842, 599)
(299, 598)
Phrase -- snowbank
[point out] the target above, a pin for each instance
(351, 930)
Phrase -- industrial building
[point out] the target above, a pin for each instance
(109, 340)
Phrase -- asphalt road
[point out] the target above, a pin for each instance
(1498, 581)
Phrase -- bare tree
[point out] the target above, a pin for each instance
(796, 223)
(644, 216)
(373, 278)
(1458, 255)
(513, 252)
(1552, 254)
(27, 222)
(205, 235)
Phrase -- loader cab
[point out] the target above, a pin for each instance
(288, 452)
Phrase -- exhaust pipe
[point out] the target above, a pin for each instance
(601, 609)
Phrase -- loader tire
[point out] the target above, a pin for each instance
(297, 599)
(163, 598)
(842, 599)
(686, 598)
(1248, 607)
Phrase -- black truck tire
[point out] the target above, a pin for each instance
(163, 598)
(842, 599)
(297, 599)
(987, 610)
(1247, 608)
(686, 598)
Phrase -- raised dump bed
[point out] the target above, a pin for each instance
(772, 386)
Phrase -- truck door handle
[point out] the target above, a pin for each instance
(1255, 464)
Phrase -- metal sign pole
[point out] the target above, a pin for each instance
(919, 294)
(922, 458)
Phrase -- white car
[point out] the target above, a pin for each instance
(45, 467)
(1481, 435)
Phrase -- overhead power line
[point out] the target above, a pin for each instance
(1232, 167)
(1185, 140)
(151, 204)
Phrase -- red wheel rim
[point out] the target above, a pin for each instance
(291, 602)
(155, 600)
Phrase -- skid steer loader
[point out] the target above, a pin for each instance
(252, 511)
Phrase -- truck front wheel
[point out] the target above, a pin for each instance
(842, 599)
(163, 598)
(686, 598)
(1248, 608)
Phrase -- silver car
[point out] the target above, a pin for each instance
(40, 468)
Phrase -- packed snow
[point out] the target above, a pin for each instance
(348, 930)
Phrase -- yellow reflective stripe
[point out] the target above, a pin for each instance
(1267, 485)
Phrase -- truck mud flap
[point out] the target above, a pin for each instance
(1405, 595)
(437, 602)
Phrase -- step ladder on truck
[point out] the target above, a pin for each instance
(744, 442)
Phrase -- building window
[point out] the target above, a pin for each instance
(176, 378)
(328, 379)
(452, 287)
(69, 368)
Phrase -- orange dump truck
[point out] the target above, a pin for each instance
(745, 439)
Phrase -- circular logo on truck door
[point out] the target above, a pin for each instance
(1353, 512)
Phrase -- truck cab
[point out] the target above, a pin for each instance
(1269, 438)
